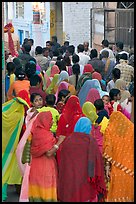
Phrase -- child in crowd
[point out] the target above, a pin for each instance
(115, 96)
(107, 105)
(61, 100)
(50, 103)
(101, 112)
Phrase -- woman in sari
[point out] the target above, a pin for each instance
(97, 131)
(43, 167)
(94, 83)
(37, 102)
(54, 70)
(80, 153)
(118, 150)
(13, 113)
(92, 95)
(50, 89)
(70, 114)
(121, 85)
(87, 75)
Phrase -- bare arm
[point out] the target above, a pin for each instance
(55, 147)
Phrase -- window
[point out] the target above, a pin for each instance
(19, 9)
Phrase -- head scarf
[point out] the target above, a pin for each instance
(121, 85)
(96, 75)
(94, 83)
(90, 111)
(88, 68)
(54, 70)
(83, 125)
(63, 76)
(62, 85)
(42, 138)
(93, 95)
(50, 89)
(10, 29)
(70, 114)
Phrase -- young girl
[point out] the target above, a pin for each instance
(115, 96)
(37, 102)
(107, 105)
(61, 100)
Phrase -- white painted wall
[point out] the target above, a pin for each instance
(76, 22)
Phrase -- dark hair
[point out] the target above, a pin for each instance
(71, 49)
(61, 64)
(66, 43)
(62, 93)
(80, 48)
(104, 54)
(105, 43)
(31, 40)
(99, 104)
(30, 69)
(76, 71)
(50, 99)
(59, 58)
(38, 50)
(75, 58)
(48, 42)
(27, 48)
(67, 61)
(20, 74)
(116, 73)
(35, 79)
(56, 53)
(123, 56)
(93, 53)
(10, 67)
(45, 49)
(33, 95)
(120, 45)
(113, 92)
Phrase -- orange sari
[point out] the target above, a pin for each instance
(118, 149)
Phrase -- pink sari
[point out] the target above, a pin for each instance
(24, 168)
(95, 132)
(62, 85)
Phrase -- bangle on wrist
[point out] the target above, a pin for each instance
(56, 146)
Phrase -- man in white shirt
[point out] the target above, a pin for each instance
(119, 47)
(105, 45)
(84, 59)
(87, 50)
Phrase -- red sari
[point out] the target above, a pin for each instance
(81, 172)
(70, 115)
(43, 169)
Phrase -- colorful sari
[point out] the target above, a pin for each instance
(92, 95)
(94, 83)
(43, 169)
(50, 89)
(12, 122)
(54, 70)
(81, 170)
(97, 132)
(119, 151)
(24, 168)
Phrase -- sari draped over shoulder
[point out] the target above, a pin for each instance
(119, 151)
(43, 169)
(12, 121)
(86, 180)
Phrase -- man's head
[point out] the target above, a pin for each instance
(93, 53)
(48, 44)
(30, 42)
(80, 48)
(27, 48)
(38, 50)
(45, 52)
(119, 46)
(86, 46)
(105, 43)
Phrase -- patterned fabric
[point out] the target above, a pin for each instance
(119, 151)
(127, 71)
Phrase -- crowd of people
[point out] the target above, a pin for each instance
(68, 122)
